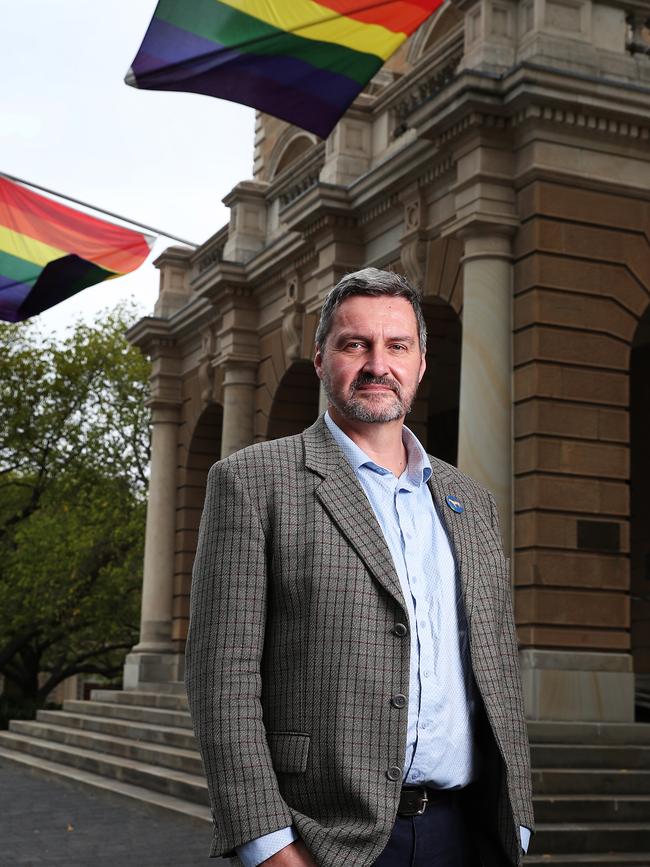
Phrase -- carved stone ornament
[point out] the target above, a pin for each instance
(292, 325)
(206, 370)
(412, 215)
(413, 256)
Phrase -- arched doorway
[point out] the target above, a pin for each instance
(203, 450)
(434, 418)
(295, 404)
(640, 513)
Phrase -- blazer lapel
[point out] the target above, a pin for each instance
(342, 496)
(461, 532)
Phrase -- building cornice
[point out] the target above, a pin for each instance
(151, 334)
(475, 96)
(321, 201)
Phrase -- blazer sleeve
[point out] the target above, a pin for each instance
(223, 655)
(519, 775)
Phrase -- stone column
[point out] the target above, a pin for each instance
(153, 659)
(485, 415)
(239, 384)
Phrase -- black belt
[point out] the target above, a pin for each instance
(414, 800)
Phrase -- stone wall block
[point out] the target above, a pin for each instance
(573, 421)
(181, 606)
(552, 380)
(571, 347)
(589, 207)
(556, 531)
(566, 608)
(570, 637)
(572, 569)
(575, 457)
(572, 494)
(610, 280)
(571, 310)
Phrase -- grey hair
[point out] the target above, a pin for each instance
(374, 283)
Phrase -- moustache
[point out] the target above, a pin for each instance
(369, 379)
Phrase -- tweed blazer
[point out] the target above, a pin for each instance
(293, 656)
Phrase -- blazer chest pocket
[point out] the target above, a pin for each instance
(289, 751)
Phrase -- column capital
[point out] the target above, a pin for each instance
(164, 410)
(486, 241)
(239, 370)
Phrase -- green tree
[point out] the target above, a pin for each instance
(74, 452)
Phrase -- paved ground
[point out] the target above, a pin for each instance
(47, 821)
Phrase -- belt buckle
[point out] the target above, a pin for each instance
(425, 801)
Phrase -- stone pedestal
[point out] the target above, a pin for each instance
(577, 686)
(485, 414)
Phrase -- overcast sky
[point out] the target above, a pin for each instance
(68, 122)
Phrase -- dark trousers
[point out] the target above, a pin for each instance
(438, 838)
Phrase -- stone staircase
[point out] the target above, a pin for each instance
(591, 785)
(139, 744)
(591, 781)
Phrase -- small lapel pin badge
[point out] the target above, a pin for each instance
(454, 504)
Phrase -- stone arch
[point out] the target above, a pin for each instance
(443, 27)
(289, 148)
(203, 449)
(640, 512)
(295, 402)
(443, 279)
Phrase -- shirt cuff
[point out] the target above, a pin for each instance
(524, 834)
(255, 851)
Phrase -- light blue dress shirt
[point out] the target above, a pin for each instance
(439, 745)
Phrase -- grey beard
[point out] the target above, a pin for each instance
(357, 409)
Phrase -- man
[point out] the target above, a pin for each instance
(351, 660)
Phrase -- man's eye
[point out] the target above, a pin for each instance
(398, 346)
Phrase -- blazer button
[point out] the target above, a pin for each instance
(398, 700)
(400, 630)
(394, 773)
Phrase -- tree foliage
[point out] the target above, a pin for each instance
(74, 452)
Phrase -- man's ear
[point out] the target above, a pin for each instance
(423, 367)
(318, 362)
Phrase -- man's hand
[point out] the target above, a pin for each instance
(294, 855)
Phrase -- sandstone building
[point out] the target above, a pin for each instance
(502, 161)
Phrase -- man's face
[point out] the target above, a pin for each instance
(371, 363)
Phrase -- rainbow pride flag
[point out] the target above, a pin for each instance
(301, 60)
(49, 251)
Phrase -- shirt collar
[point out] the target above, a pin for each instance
(418, 469)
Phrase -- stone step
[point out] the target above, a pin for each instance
(141, 699)
(168, 781)
(592, 808)
(589, 756)
(151, 715)
(587, 781)
(589, 837)
(174, 687)
(154, 754)
(608, 859)
(111, 727)
(138, 793)
(588, 733)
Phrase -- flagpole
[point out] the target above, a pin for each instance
(99, 210)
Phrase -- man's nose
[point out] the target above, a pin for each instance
(376, 361)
